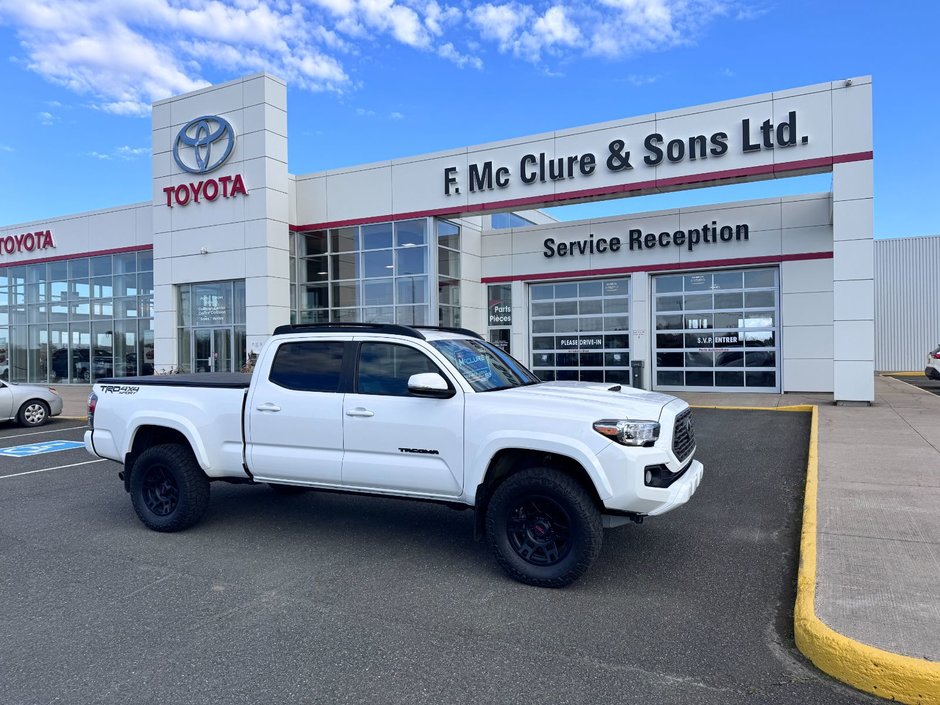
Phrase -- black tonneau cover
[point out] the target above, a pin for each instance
(224, 380)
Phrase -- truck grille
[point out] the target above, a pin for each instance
(683, 437)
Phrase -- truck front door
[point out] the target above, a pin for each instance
(294, 414)
(397, 441)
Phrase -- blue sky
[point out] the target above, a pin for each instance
(377, 79)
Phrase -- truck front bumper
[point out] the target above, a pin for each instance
(625, 469)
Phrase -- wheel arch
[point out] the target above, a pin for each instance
(508, 461)
(149, 435)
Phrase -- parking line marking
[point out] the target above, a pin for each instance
(36, 433)
(58, 467)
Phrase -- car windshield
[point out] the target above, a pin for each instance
(484, 366)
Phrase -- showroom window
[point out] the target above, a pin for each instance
(77, 320)
(717, 331)
(581, 330)
(448, 273)
(371, 273)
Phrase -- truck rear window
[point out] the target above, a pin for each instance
(310, 366)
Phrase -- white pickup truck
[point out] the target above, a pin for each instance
(430, 414)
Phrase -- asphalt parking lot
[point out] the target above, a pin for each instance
(930, 385)
(324, 598)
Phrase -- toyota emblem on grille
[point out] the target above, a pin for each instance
(203, 144)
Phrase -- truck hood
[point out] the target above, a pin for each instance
(628, 402)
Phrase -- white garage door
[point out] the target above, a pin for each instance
(581, 330)
(717, 331)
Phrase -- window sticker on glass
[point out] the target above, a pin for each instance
(473, 367)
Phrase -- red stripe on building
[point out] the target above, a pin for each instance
(671, 266)
(76, 255)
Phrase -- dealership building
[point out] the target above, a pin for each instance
(774, 295)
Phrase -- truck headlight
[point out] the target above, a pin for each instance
(629, 432)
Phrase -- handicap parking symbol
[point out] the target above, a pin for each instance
(40, 448)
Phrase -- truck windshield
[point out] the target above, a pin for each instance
(484, 366)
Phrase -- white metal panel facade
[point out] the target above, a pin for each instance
(907, 302)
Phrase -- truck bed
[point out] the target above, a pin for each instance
(218, 380)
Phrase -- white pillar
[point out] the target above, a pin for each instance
(853, 245)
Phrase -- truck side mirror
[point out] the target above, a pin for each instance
(430, 384)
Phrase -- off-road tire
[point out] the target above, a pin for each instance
(169, 490)
(33, 413)
(548, 515)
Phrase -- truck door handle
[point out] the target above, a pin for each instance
(359, 411)
(268, 406)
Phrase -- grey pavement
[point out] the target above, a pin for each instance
(878, 544)
(878, 541)
(74, 398)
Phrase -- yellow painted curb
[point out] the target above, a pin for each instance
(892, 676)
(798, 407)
(901, 374)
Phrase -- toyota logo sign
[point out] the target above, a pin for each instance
(203, 144)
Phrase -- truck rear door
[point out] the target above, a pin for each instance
(294, 416)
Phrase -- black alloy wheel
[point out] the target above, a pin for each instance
(539, 530)
(161, 494)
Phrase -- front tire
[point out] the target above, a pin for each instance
(169, 490)
(543, 528)
(35, 412)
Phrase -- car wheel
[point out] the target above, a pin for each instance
(35, 412)
(169, 490)
(543, 528)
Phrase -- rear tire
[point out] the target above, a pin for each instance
(169, 490)
(35, 412)
(543, 528)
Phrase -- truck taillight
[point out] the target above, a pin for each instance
(92, 403)
(936, 355)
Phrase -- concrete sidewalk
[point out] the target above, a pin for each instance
(878, 523)
(878, 532)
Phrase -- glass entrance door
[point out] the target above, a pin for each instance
(212, 349)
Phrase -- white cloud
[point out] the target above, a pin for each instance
(5, 148)
(47, 119)
(449, 52)
(555, 28)
(639, 80)
(129, 153)
(122, 153)
(396, 116)
(500, 22)
(124, 54)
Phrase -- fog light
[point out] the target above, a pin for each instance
(649, 477)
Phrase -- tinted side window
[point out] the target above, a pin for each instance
(313, 366)
(384, 368)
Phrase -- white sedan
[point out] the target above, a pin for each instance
(933, 364)
(30, 404)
